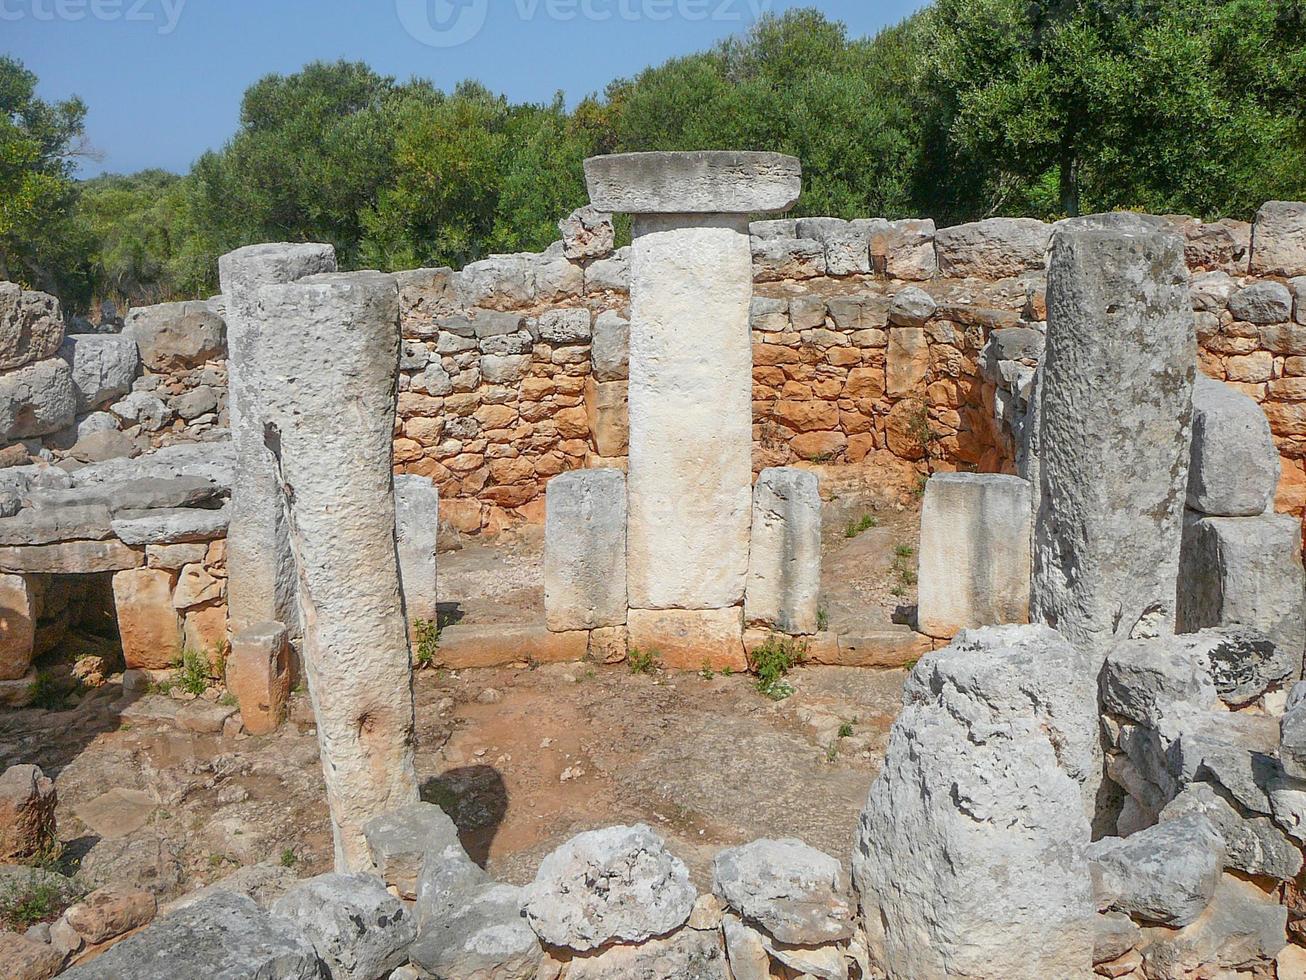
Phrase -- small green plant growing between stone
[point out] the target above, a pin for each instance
(426, 636)
(46, 692)
(822, 620)
(903, 569)
(865, 523)
(846, 730)
(25, 903)
(772, 661)
(193, 669)
(288, 858)
(706, 672)
(643, 661)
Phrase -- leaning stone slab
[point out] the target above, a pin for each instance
(1113, 458)
(37, 399)
(784, 560)
(400, 840)
(1235, 465)
(171, 525)
(1244, 571)
(225, 937)
(1165, 874)
(358, 928)
(713, 181)
(969, 855)
(974, 554)
(485, 936)
(70, 558)
(31, 326)
(1279, 239)
(615, 885)
(417, 524)
(796, 893)
(585, 550)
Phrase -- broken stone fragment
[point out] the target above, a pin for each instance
(1165, 874)
(484, 935)
(27, 817)
(359, 929)
(620, 884)
(400, 841)
(175, 336)
(31, 326)
(685, 955)
(784, 560)
(110, 912)
(1235, 465)
(795, 892)
(1252, 843)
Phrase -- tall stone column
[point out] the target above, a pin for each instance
(1115, 419)
(261, 586)
(330, 418)
(690, 463)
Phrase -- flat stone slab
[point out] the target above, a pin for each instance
(117, 813)
(493, 646)
(702, 182)
(70, 558)
(171, 525)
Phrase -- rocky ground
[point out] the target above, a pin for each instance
(522, 758)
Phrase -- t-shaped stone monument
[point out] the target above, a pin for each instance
(691, 365)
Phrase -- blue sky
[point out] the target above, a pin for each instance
(163, 78)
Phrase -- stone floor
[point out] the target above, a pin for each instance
(522, 758)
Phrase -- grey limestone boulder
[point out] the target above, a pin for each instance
(795, 892)
(620, 884)
(1165, 874)
(143, 409)
(1235, 465)
(1243, 928)
(1279, 239)
(223, 937)
(993, 248)
(912, 307)
(37, 399)
(587, 233)
(401, 839)
(1292, 734)
(485, 937)
(31, 326)
(1252, 843)
(174, 336)
(103, 367)
(566, 326)
(358, 928)
(610, 347)
(1152, 681)
(1261, 303)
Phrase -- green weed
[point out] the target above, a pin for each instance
(644, 661)
(857, 527)
(427, 635)
(772, 661)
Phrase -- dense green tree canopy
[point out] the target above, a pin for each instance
(967, 109)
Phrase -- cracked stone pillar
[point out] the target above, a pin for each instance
(329, 423)
(1115, 432)
(261, 587)
(691, 360)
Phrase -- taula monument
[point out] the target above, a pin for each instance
(1098, 767)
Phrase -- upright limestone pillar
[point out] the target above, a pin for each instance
(329, 425)
(1115, 433)
(261, 586)
(691, 287)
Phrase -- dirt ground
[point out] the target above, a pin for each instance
(521, 758)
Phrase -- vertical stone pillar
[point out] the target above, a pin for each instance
(784, 563)
(17, 627)
(258, 674)
(585, 550)
(1115, 431)
(417, 528)
(974, 556)
(261, 586)
(690, 389)
(330, 419)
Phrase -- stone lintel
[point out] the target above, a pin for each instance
(700, 182)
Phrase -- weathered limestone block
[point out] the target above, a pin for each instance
(1235, 465)
(701, 182)
(111, 911)
(70, 523)
(17, 627)
(690, 471)
(690, 639)
(585, 550)
(103, 367)
(1165, 874)
(974, 555)
(27, 813)
(148, 623)
(775, 260)
(261, 587)
(845, 242)
(1242, 926)
(902, 249)
(1113, 457)
(610, 347)
(784, 562)
(796, 893)
(1244, 571)
(1279, 239)
(146, 493)
(37, 399)
(359, 929)
(462, 647)
(1262, 303)
(1252, 844)
(332, 434)
(31, 326)
(484, 935)
(618, 884)
(224, 935)
(685, 955)
(258, 674)
(607, 409)
(993, 248)
(908, 362)
(969, 856)
(417, 526)
(587, 233)
(611, 274)
(400, 841)
(70, 558)
(174, 336)
(171, 525)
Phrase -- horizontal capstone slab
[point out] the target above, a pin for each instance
(712, 182)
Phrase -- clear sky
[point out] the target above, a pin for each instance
(163, 78)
